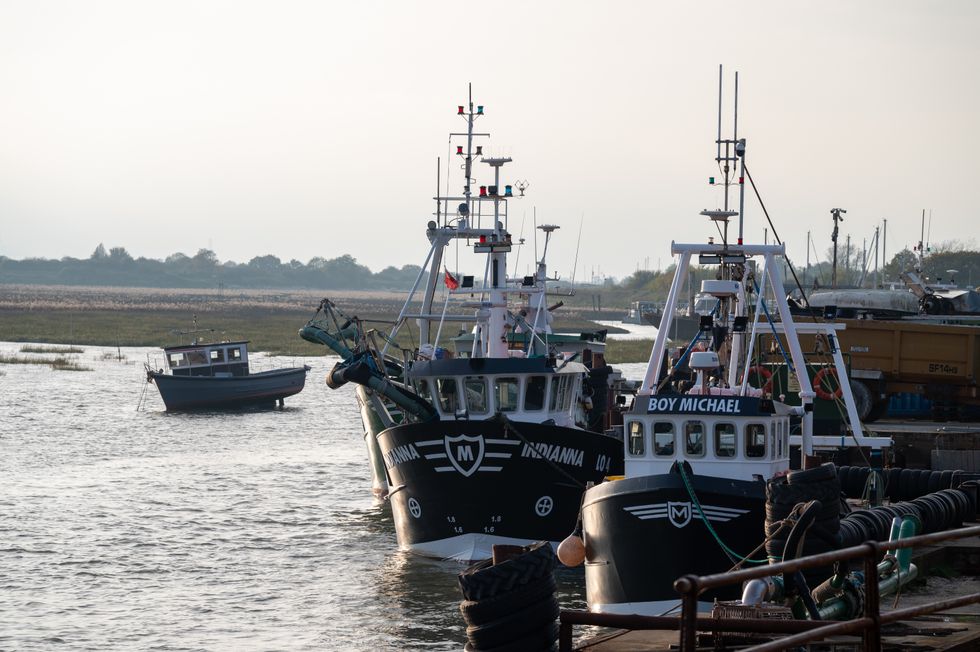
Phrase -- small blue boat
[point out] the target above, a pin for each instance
(216, 375)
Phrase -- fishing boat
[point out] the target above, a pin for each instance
(493, 442)
(216, 375)
(698, 455)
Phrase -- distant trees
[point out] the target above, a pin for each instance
(116, 266)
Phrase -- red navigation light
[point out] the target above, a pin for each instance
(741, 179)
(483, 239)
(740, 241)
(459, 149)
(483, 191)
(459, 110)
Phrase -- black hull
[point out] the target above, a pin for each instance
(643, 533)
(458, 487)
(211, 392)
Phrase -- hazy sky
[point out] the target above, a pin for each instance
(305, 129)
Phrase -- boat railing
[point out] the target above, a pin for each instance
(801, 631)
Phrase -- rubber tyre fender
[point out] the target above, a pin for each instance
(905, 486)
(485, 580)
(515, 625)
(922, 482)
(481, 612)
(542, 639)
(935, 481)
(946, 479)
(823, 472)
(891, 485)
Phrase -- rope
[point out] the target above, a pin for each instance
(728, 551)
(508, 426)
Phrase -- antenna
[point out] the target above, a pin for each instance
(577, 245)
(731, 161)
(535, 234)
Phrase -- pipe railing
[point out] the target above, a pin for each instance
(804, 631)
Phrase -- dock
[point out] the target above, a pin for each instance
(947, 569)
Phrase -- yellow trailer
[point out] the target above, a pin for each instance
(937, 360)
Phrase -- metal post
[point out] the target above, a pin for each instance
(688, 587)
(565, 637)
(872, 635)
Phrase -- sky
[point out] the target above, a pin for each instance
(305, 129)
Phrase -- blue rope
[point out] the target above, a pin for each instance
(772, 326)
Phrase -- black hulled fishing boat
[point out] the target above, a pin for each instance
(496, 441)
(698, 454)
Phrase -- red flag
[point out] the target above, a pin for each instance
(451, 281)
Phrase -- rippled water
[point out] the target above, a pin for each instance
(126, 528)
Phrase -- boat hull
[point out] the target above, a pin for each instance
(643, 533)
(216, 392)
(459, 487)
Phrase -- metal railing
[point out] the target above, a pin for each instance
(802, 631)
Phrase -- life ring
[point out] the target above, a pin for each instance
(762, 372)
(818, 384)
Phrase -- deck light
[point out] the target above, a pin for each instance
(508, 191)
(492, 190)
(483, 191)
(460, 110)
(459, 149)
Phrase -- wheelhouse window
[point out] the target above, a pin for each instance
(534, 393)
(755, 440)
(561, 392)
(217, 355)
(663, 438)
(178, 360)
(475, 389)
(446, 388)
(725, 436)
(505, 391)
(694, 438)
(196, 358)
(637, 444)
(234, 354)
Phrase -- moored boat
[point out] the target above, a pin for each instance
(698, 455)
(495, 442)
(217, 375)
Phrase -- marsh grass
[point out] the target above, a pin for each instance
(60, 363)
(270, 322)
(36, 348)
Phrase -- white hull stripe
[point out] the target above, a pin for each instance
(466, 547)
(660, 510)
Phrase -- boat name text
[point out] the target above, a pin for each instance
(400, 454)
(695, 404)
(554, 452)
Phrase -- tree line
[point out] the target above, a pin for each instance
(948, 262)
(116, 267)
